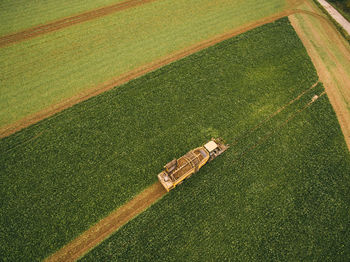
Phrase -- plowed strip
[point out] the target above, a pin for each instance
(69, 21)
(10, 129)
(107, 226)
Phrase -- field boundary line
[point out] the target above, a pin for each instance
(108, 225)
(140, 71)
(56, 25)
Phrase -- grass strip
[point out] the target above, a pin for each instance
(52, 68)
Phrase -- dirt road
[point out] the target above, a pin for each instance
(330, 54)
(69, 21)
(336, 15)
(107, 226)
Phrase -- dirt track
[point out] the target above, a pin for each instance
(319, 44)
(69, 21)
(107, 226)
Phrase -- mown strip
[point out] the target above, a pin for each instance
(65, 173)
(51, 69)
(336, 24)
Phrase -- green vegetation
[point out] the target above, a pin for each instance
(286, 200)
(46, 70)
(67, 172)
(17, 15)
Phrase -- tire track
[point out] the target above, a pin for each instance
(69, 21)
(107, 226)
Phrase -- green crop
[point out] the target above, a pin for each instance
(288, 199)
(67, 172)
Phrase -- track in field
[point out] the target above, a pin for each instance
(107, 226)
(69, 21)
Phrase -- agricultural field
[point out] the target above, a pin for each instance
(50, 69)
(67, 172)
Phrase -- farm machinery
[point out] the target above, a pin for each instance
(179, 169)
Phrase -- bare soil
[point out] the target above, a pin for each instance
(335, 78)
(107, 226)
(69, 21)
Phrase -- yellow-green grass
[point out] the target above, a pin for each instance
(41, 72)
(16, 15)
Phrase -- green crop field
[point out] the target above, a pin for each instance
(286, 200)
(17, 15)
(46, 70)
(67, 172)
